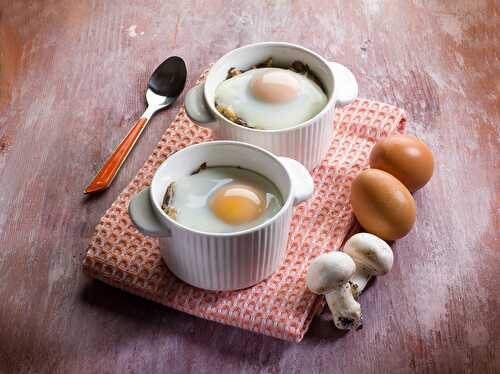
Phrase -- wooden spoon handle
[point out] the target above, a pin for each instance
(110, 168)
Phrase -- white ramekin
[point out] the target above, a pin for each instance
(307, 142)
(225, 261)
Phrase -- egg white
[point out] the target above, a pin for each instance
(235, 93)
(192, 195)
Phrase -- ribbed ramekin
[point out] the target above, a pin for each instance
(225, 261)
(307, 142)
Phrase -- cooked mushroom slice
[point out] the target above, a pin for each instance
(165, 206)
(372, 256)
(299, 67)
(266, 64)
(227, 112)
(233, 72)
(200, 168)
(231, 115)
(329, 275)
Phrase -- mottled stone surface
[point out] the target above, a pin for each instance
(72, 80)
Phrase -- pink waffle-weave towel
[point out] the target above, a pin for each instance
(280, 306)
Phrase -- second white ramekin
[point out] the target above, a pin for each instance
(226, 261)
(307, 142)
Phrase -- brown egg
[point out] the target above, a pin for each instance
(405, 157)
(382, 204)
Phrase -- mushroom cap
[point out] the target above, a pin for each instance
(329, 271)
(370, 253)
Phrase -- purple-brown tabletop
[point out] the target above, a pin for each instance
(72, 81)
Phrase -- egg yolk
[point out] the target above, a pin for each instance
(275, 86)
(236, 204)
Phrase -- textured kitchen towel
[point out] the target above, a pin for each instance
(280, 306)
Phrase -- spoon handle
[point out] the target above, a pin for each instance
(113, 164)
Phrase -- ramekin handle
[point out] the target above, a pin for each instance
(302, 182)
(143, 217)
(197, 108)
(346, 86)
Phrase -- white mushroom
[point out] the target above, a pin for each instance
(329, 275)
(372, 256)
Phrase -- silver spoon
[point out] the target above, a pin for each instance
(164, 86)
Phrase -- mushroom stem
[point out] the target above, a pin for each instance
(359, 281)
(345, 309)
